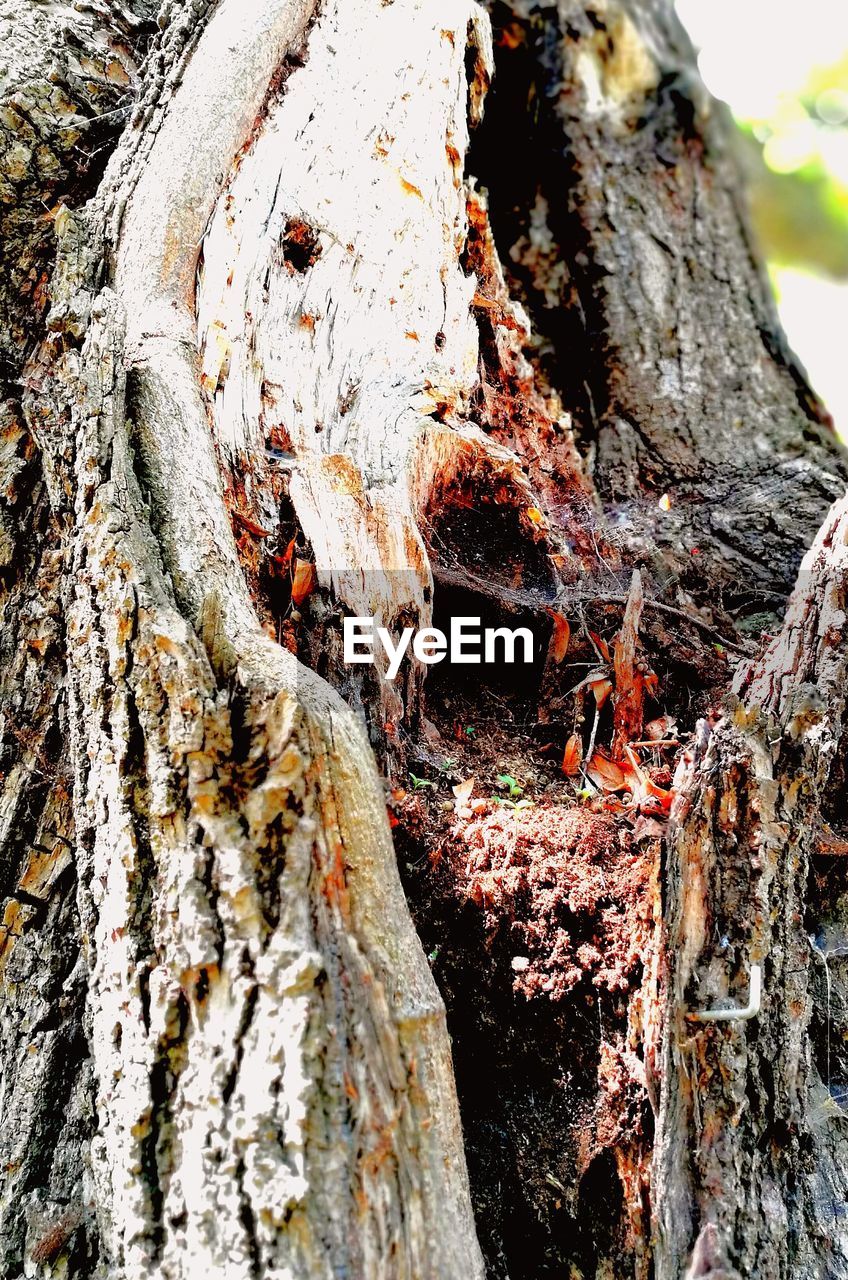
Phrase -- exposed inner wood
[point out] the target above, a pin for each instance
(337, 321)
(269, 1050)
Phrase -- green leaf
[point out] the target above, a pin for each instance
(507, 780)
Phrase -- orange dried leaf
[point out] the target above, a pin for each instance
(601, 645)
(411, 188)
(660, 795)
(572, 756)
(462, 790)
(652, 683)
(601, 688)
(285, 559)
(303, 580)
(607, 774)
(561, 636)
(250, 525)
(645, 791)
(511, 36)
(534, 514)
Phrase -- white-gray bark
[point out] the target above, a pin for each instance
(270, 1067)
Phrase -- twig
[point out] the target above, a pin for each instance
(588, 756)
(686, 617)
(534, 602)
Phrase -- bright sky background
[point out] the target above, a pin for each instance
(757, 55)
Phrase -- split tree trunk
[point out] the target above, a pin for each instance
(281, 324)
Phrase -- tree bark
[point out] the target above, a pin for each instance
(271, 357)
(764, 1182)
(626, 234)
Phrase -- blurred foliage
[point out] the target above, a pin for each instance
(797, 163)
(783, 71)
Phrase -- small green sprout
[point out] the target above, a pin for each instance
(418, 784)
(514, 788)
(470, 731)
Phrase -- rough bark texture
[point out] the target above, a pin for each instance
(763, 1182)
(280, 359)
(622, 221)
(269, 1067)
(67, 78)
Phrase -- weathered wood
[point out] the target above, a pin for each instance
(272, 1072)
(622, 221)
(750, 1147)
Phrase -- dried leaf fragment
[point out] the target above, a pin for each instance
(607, 774)
(561, 636)
(662, 727)
(572, 756)
(601, 688)
(303, 581)
(462, 790)
(601, 645)
(250, 525)
(646, 793)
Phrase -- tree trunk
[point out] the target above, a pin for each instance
(272, 357)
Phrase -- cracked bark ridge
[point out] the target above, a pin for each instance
(47, 1097)
(262, 1062)
(621, 220)
(272, 1073)
(69, 77)
(750, 1115)
(69, 74)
